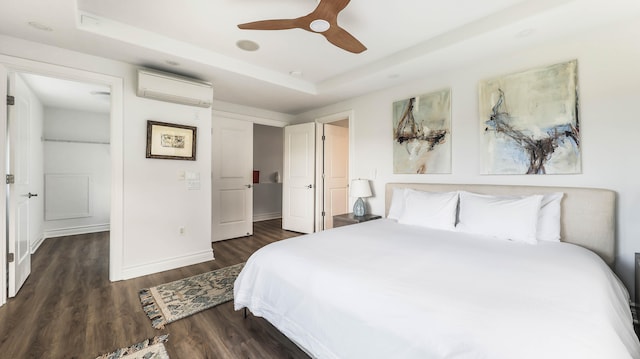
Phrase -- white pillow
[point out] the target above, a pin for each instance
(500, 217)
(397, 203)
(429, 209)
(549, 217)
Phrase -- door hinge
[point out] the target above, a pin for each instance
(11, 179)
(11, 100)
(10, 258)
(323, 213)
(324, 137)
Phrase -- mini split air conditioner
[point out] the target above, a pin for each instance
(174, 88)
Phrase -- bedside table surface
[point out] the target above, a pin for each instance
(348, 218)
(358, 219)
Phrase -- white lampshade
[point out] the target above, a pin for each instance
(360, 188)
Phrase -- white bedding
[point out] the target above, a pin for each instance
(385, 290)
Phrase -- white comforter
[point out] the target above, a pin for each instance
(385, 290)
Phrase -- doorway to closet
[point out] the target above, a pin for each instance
(58, 152)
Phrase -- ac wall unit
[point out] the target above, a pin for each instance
(174, 88)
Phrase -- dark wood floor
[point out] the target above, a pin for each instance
(68, 308)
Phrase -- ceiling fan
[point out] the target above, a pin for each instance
(323, 20)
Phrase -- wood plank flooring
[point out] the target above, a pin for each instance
(69, 309)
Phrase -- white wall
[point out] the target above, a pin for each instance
(609, 81)
(268, 157)
(78, 157)
(156, 202)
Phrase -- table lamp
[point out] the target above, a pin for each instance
(360, 188)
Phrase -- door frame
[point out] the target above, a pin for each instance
(320, 158)
(116, 238)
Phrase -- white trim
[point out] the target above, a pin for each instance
(319, 192)
(266, 216)
(37, 243)
(254, 119)
(320, 121)
(3, 192)
(116, 238)
(72, 231)
(168, 264)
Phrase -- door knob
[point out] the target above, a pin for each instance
(310, 186)
(248, 186)
(32, 195)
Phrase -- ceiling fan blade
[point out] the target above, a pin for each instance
(280, 24)
(326, 12)
(344, 40)
(328, 9)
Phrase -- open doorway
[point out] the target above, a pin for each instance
(332, 168)
(116, 149)
(268, 159)
(76, 163)
(58, 146)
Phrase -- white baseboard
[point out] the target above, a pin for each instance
(35, 245)
(72, 231)
(266, 216)
(167, 264)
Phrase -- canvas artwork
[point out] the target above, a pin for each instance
(422, 133)
(530, 122)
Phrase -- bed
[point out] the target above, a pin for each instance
(396, 288)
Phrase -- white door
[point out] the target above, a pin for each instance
(232, 176)
(336, 172)
(18, 123)
(298, 181)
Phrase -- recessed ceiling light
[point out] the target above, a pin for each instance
(247, 45)
(319, 25)
(296, 73)
(40, 26)
(172, 63)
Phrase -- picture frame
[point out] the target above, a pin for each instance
(170, 141)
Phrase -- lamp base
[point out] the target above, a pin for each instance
(359, 208)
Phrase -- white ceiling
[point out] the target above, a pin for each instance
(66, 94)
(406, 39)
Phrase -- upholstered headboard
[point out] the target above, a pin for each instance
(587, 217)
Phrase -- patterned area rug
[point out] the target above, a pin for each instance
(169, 302)
(148, 349)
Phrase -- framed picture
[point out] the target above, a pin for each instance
(171, 141)
(530, 122)
(422, 134)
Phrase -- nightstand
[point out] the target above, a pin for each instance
(348, 218)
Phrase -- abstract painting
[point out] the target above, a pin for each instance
(530, 122)
(422, 133)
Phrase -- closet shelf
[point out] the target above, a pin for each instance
(76, 141)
